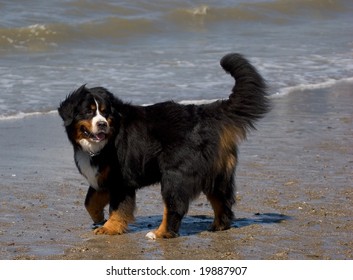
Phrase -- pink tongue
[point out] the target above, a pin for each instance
(100, 136)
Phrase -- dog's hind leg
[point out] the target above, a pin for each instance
(176, 204)
(222, 199)
(169, 226)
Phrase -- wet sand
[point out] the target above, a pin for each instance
(294, 192)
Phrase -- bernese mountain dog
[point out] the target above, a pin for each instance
(188, 149)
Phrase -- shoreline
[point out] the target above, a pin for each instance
(294, 192)
(279, 94)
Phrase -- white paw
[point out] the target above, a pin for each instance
(151, 235)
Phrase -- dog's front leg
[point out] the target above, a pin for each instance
(121, 214)
(95, 202)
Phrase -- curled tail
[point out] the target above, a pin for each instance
(248, 101)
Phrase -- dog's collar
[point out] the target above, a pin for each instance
(92, 154)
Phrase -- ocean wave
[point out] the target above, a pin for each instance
(33, 37)
(278, 11)
(23, 115)
(320, 85)
(41, 37)
(118, 21)
(206, 14)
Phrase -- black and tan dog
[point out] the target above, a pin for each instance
(189, 149)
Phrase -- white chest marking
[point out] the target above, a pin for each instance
(88, 171)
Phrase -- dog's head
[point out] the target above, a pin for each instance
(89, 118)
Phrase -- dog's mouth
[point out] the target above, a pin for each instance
(95, 137)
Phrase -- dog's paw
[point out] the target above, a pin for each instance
(157, 234)
(106, 231)
(97, 225)
(112, 227)
(217, 227)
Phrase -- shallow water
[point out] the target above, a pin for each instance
(147, 52)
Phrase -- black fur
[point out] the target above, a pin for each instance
(189, 149)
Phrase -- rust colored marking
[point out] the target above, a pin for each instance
(228, 140)
(78, 129)
(119, 219)
(217, 208)
(95, 205)
(162, 231)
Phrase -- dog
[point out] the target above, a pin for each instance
(188, 149)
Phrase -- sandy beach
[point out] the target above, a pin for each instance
(294, 192)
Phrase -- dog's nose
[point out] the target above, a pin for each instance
(102, 125)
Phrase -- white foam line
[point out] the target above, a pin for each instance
(196, 102)
(282, 92)
(22, 115)
(189, 102)
(329, 83)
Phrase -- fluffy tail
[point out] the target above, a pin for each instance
(248, 101)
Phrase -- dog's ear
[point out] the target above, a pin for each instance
(67, 107)
(66, 111)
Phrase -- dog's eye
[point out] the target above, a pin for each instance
(105, 112)
(89, 112)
